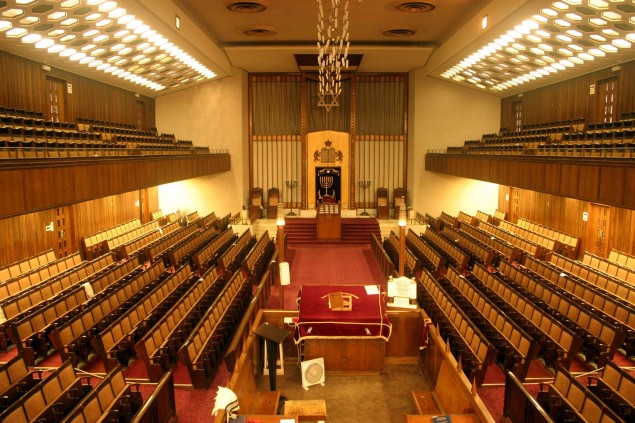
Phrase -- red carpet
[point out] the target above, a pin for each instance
(327, 264)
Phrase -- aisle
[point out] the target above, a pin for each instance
(327, 264)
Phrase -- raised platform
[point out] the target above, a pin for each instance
(303, 230)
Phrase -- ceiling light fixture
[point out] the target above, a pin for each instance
(83, 27)
(544, 44)
(333, 43)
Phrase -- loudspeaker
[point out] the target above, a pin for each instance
(285, 276)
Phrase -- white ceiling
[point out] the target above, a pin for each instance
(213, 34)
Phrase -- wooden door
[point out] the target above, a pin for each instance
(606, 100)
(63, 236)
(514, 205)
(598, 230)
(55, 98)
(141, 116)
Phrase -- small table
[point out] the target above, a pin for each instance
(273, 337)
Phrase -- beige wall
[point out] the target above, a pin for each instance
(442, 115)
(214, 115)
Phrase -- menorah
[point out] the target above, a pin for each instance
(364, 185)
(291, 184)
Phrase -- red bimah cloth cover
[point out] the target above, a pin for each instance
(367, 319)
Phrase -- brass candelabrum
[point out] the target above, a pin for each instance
(364, 185)
(291, 184)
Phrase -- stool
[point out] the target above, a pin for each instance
(306, 410)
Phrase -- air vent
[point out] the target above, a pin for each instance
(259, 31)
(399, 32)
(247, 6)
(416, 6)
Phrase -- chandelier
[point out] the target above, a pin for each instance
(332, 32)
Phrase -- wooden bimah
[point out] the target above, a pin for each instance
(347, 325)
(329, 222)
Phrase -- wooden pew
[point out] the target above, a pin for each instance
(566, 245)
(229, 261)
(31, 334)
(520, 406)
(467, 341)
(73, 338)
(451, 252)
(183, 251)
(618, 257)
(158, 249)
(94, 245)
(259, 258)
(479, 253)
(22, 266)
(206, 257)
(560, 344)
(158, 347)
(21, 306)
(412, 265)
(530, 248)
(113, 399)
(501, 247)
(615, 387)
(115, 343)
(385, 263)
(568, 399)
(610, 308)
(204, 348)
(429, 258)
(15, 380)
(516, 348)
(448, 220)
(50, 399)
(623, 273)
(599, 338)
(601, 280)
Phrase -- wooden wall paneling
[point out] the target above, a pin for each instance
(103, 213)
(552, 177)
(571, 99)
(588, 182)
(629, 188)
(626, 99)
(62, 185)
(611, 185)
(12, 189)
(536, 174)
(24, 236)
(622, 234)
(37, 183)
(565, 214)
(568, 180)
(24, 87)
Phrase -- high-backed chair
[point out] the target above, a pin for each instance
(255, 203)
(400, 197)
(273, 197)
(383, 210)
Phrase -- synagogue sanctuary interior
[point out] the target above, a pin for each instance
(265, 211)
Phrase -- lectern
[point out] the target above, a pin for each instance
(273, 337)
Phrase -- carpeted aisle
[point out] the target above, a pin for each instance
(327, 264)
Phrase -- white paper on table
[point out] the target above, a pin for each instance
(372, 289)
(287, 420)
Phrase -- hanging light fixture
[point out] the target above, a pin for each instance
(333, 44)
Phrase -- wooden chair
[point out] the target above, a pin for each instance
(383, 211)
(255, 203)
(273, 197)
(400, 197)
